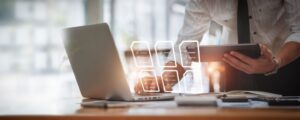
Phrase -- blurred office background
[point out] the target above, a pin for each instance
(30, 37)
(31, 41)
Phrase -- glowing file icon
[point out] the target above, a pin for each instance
(149, 83)
(191, 84)
(188, 78)
(159, 45)
(141, 54)
(190, 50)
(169, 79)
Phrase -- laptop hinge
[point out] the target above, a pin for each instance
(116, 97)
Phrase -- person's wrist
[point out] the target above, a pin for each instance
(276, 63)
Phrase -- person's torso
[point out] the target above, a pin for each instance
(266, 18)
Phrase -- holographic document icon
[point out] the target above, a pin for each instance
(161, 46)
(141, 54)
(149, 82)
(189, 51)
(169, 79)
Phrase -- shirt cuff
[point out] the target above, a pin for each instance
(295, 37)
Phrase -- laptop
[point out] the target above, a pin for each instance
(97, 66)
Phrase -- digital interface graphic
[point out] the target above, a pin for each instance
(159, 45)
(170, 78)
(149, 83)
(192, 49)
(141, 54)
(148, 61)
(188, 77)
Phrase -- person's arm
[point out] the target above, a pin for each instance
(290, 50)
(288, 53)
(265, 63)
(196, 23)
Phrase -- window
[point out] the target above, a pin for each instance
(30, 35)
(146, 20)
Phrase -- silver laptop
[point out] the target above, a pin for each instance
(97, 66)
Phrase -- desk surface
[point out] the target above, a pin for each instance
(60, 99)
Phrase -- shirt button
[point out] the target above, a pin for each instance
(254, 33)
(250, 17)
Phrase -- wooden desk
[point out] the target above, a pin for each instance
(59, 99)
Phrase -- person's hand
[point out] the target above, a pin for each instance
(169, 79)
(261, 65)
(149, 83)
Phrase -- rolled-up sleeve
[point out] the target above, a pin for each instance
(292, 8)
(196, 23)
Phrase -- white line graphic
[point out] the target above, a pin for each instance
(172, 50)
(181, 54)
(139, 64)
(188, 80)
(163, 80)
(140, 76)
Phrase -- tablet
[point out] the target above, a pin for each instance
(210, 53)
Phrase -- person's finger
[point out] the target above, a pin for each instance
(265, 51)
(261, 48)
(233, 65)
(161, 88)
(136, 86)
(140, 91)
(268, 52)
(154, 86)
(237, 63)
(243, 58)
(139, 88)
